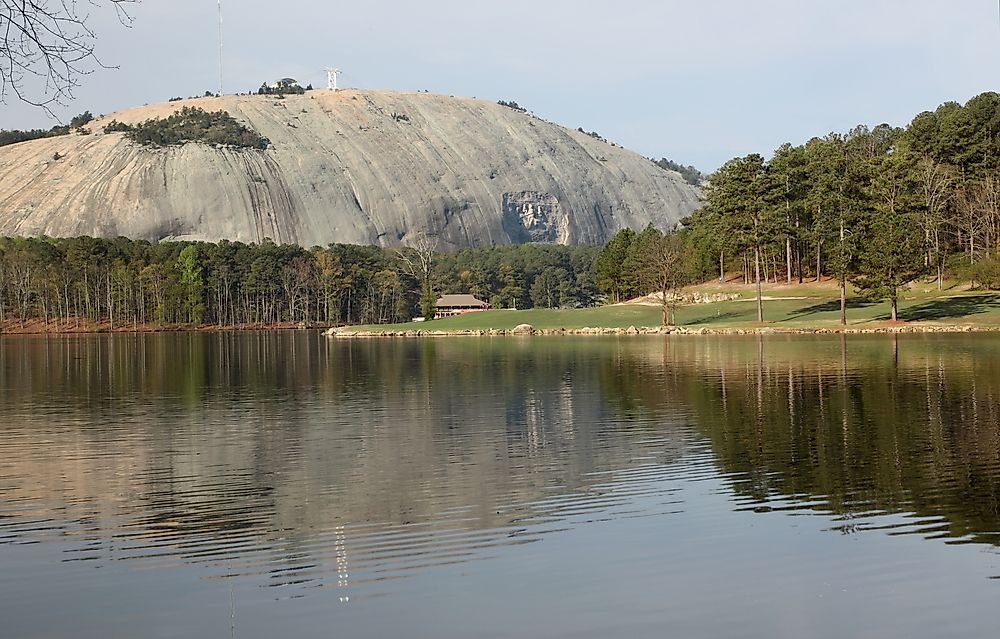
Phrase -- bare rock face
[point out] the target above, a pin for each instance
(361, 167)
(535, 217)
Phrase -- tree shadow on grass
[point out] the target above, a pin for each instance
(950, 308)
(709, 319)
(831, 306)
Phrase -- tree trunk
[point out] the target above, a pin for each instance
(760, 303)
(940, 260)
(895, 314)
(843, 277)
(798, 260)
(788, 258)
(843, 301)
(818, 263)
(798, 249)
(722, 267)
(111, 309)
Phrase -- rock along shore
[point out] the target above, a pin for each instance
(527, 330)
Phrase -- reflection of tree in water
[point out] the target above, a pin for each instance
(297, 457)
(309, 460)
(855, 426)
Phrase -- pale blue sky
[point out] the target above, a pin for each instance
(698, 82)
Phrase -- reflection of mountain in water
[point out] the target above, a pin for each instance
(337, 463)
(864, 428)
(308, 460)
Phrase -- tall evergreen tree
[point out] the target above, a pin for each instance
(610, 275)
(893, 247)
(738, 192)
(790, 179)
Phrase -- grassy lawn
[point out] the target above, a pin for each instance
(822, 312)
(602, 317)
(809, 305)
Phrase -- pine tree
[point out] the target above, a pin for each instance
(738, 192)
(893, 247)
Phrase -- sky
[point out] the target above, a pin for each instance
(699, 82)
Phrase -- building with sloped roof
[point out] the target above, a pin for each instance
(448, 305)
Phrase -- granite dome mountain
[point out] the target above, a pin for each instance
(353, 166)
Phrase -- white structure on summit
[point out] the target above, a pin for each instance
(331, 78)
(220, 47)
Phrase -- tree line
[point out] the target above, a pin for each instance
(877, 208)
(77, 123)
(135, 282)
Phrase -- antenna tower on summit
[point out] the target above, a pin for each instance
(220, 47)
(331, 78)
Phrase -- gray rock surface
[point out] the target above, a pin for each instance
(354, 166)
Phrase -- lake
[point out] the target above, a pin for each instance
(286, 485)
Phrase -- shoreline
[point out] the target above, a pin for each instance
(530, 331)
(38, 327)
(89, 327)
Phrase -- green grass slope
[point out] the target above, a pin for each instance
(805, 306)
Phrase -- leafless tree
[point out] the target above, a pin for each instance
(49, 44)
(664, 269)
(937, 185)
(977, 217)
(417, 261)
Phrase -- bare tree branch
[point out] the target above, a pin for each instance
(48, 45)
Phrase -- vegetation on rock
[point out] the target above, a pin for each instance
(690, 174)
(286, 86)
(191, 124)
(14, 136)
(593, 134)
(510, 104)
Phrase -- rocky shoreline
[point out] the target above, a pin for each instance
(528, 330)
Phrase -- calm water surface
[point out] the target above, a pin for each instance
(283, 485)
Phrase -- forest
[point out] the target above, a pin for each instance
(874, 207)
(136, 282)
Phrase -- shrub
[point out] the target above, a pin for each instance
(512, 105)
(593, 134)
(81, 120)
(116, 127)
(986, 273)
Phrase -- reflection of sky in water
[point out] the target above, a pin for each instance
(570, 488)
